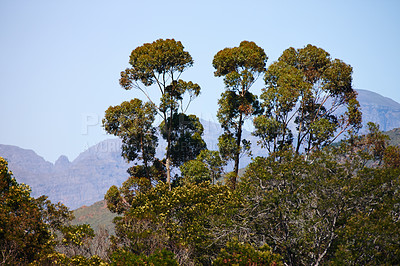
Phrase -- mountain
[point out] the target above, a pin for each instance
(80, 182)
(86, 179)
(379, 109)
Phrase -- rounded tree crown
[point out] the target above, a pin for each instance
(248, 56)
(151, 59)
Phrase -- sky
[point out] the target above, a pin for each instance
(60, 61)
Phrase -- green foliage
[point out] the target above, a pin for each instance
(119, 199)
(329, 205)
(391, 157)
(26, 223)
(248, 56)
(180, 220)
(186, 140)
(208, 166)
(152, 60)
(33, 230)
(61, 259)
(294, 205)
(330, 208)
(213, 162)
(133, 122)
(268, 129)
(240, 67)
(163, 257)
(227, 146)
(236, 253)
(307, 87)
(376, 142)
(76, 234)
(371, 235)
(369, 150)
(195, 171)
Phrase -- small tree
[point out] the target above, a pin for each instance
(240, 67)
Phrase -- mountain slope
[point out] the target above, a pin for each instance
(81, 182)
(379, 109)
(97, 215)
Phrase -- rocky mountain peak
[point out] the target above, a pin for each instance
(62, 162)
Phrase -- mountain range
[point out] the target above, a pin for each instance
(87, 178)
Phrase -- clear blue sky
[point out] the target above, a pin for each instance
(60, 60)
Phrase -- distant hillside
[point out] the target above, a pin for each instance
(394, 136)
(379, 109)
(97, 215)
(86, 179)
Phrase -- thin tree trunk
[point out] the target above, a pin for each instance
(168, 166)
(237, 155)
(168, 159)
(146, 167)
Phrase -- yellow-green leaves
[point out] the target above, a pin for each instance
(162, 57)
(306, 88)
(181, 219)
(247, 56)
(77, 234)
(237, 253)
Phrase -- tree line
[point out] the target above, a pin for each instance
(310, 200)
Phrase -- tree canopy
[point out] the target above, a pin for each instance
(308, 89)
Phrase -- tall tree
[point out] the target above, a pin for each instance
(307, 88)
(133, 122)
(240, 67)
(162, 63)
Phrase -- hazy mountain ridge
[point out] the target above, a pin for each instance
(81, 182)
(86, 179)
(379, 109)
